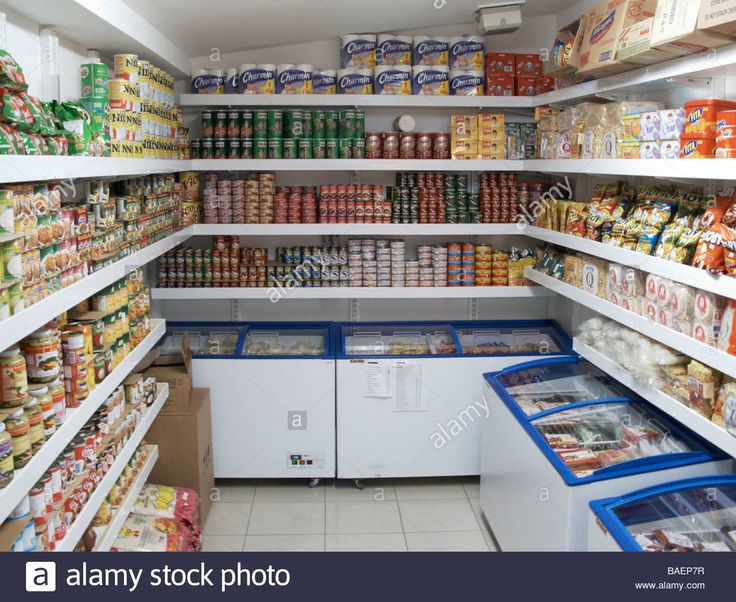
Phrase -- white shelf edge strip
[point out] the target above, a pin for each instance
(107, 534)
(88, 512)
(710, 356)
(701, 279)
(16, 327)
(27, 476)
(321, 229)
(354, 292)
(680, 412)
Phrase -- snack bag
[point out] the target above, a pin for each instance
(685, 246)
(14, 111)
(647, 240)
(711, 252)
(667, 240)
(77, 125)
(722, 205)
(11, 75)
(8, 141)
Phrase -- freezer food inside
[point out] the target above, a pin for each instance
(548, 386)
(211, 340)
(398, 340)
(504, 341)
(701, 519)
(591, 438)
(284, 341)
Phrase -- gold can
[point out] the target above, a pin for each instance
(126, 66)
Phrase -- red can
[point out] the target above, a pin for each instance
(390, 145)
(440, 146)
(407, 145)
(423, 146)
(373, 145)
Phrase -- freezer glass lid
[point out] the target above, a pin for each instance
(504, 341)
(701, 519)
(548, 386)
(398, 340)
(285, 341)
(216, 340)
(594, 437)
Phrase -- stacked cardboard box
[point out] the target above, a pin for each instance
(509, 74)
(478, 136)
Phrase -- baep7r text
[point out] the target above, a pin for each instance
(562, 191)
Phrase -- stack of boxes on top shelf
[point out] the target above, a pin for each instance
(509, 74)
(478, 136)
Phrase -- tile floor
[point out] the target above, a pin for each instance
(417, 515)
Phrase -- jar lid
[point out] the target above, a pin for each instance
(39, 334)
(17, 414)
(37, 390)
(11, 352)
(30, 403)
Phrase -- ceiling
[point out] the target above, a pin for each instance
(198, 26)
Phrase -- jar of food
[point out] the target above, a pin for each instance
(35, 425)
(6, 457)
(13, 377)
(58, 396)
(41, 394)
(18, 426)
(41, 351)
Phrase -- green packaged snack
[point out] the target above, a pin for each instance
(14, 111)
(77, 125)
(667, 240)
(8, 140)
(685, 246)
(11, 75)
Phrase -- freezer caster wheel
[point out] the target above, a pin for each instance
(359, 484)
(313, 483)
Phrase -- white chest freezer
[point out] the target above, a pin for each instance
(694, 515)
(273, 396)
(561, 434)
(409, 395)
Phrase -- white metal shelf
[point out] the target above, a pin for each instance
(357, 230)
(20, 168)
(701, 279)
(107, 534)
(93, 503)
(459, 165)
(14, 328)
(353, 292)
(670, 169)
(356, 100)
(718, 436)
(710, 356)
(26, 477)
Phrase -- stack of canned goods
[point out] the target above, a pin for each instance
(353, 205)
(500, 268)
(281, 134)
(295, 205)
(407, 145)
(499, 197)
(483, 265)
(248, 200)
(433, 198)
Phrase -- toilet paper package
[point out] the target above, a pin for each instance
(324, 81)
(430, 80)
(392, 79)
(294, 79)
(358, 51)
(355, 81)
(431, 50)
(466, 83)
(232, 77)
(257, 79)
(204, 83)
(393, 49)
(467, 53)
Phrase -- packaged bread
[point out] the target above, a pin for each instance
(702, 384)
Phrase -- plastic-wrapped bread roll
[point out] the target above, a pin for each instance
(652, 284)
(682, 300)
(707, 306)
(664, 292)
(683, 326)
(633, 304)
(650, 310)
(632, 282)
(727, 334)
(613, 282)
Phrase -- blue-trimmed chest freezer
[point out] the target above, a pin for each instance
(409, 395)
(562, 433)
(693, 515)
(273, 396)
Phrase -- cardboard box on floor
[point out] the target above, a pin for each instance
(174, 369)
(675, 29)
(184, 442)
(604, 26)
(718, 16)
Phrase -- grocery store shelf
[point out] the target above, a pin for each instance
(110, 26)
(710, 356)
(75, 419)
(356, 100)
(718, 436)
(107, 534)
(670, 169)
(701, 279)
(92, 505)
(355, 292)
(20, 168)
(354, 165)
(357, 230)
(14, 328)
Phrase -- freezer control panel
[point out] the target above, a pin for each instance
(304, 461)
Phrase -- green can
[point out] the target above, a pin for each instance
(246, 124)
(473, 202)
(462, 182)
(319, 148)
(219, 149)
(293, 124)
(359, 124)
(305, 148)
(260, 125)
(260, 149)
(208, 124)
(207, 147)
(307, 124)
(94, 79)
(275, 123)
(234, 119)
(275, 148)
(232, 148)
(345, 146)
(246, 148)
(346, 124)
(220, 124)
(331, 148)
(331, 124)
(291, 148)
(318, 124)
(358, 148)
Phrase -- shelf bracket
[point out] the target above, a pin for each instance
(354, 313)
(235, 310)
(473, 308)
(691, 82)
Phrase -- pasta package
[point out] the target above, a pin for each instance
(702, 384)
(594, 276)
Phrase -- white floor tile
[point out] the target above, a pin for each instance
(227, 518)
(472, 487)
(284, 543)
(289, 490)
(235, 490)
(287, 518)
(366, 542)
(363, 517)
(447, 541)
(376, 490)
(222, 543)
(426, 516)
(482, 523)
(430, 489)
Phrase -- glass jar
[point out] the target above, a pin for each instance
(6, 457)
(35, 424)
(58, 396)
(41, 351)
(18, 426)
(13, 378)
(42, 396)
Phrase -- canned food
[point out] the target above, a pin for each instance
(275, 123)
(346, 124)
(331, 124)
(260, 125)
